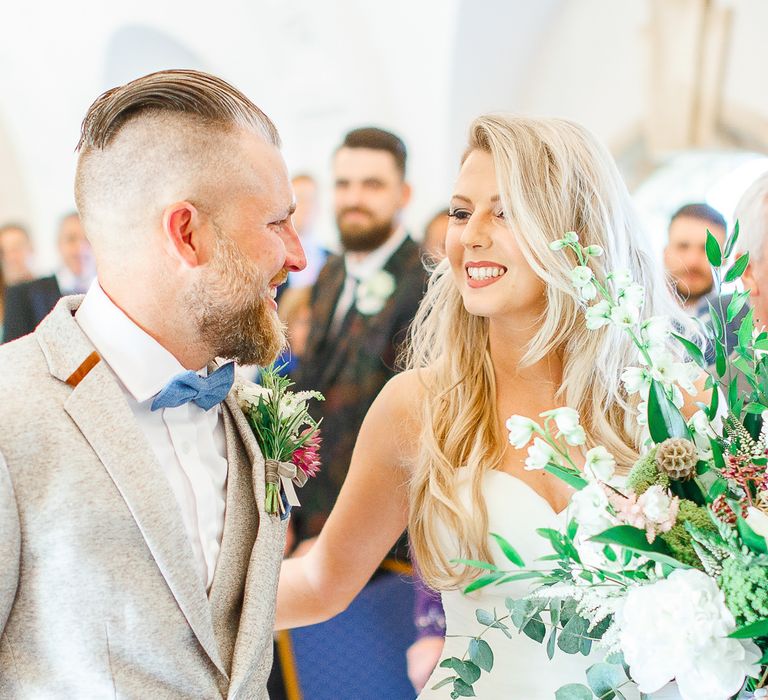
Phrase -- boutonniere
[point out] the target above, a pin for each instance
(373, 293)
(288, 436)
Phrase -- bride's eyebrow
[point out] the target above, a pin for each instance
(494, 200)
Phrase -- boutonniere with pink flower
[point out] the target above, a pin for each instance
(288, 436)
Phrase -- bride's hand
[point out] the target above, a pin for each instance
(423, 655)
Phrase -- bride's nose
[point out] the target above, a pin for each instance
(475, 234)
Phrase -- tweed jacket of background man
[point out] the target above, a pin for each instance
(99, 594)
(351, 369)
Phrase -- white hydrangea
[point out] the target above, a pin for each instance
(677, 628)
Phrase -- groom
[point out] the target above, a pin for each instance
(136, 559)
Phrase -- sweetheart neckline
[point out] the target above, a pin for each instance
(528, 487)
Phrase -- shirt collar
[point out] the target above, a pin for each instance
(365, 268)
(142, 365)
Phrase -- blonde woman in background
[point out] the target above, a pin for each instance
(499, 332)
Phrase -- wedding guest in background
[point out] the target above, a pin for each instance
(686, 264)
(305, 222)
(15, 261)
(429, 621)
(362, 304)
(434, 235)
(28, 303)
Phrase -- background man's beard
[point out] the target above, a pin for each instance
(362, 239)
(691, 295)
(233, 313)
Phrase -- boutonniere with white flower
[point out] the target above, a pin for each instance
(287, 434)
(372, 294)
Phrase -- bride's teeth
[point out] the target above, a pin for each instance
(484, 273)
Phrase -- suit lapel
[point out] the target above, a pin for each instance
(99, 409)
(257, 616)
(329, 289)
(240, 526)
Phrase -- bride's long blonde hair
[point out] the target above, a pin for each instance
(553, 177)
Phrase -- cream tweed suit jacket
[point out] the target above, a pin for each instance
(99, 595)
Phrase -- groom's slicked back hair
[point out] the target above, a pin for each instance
(187, 92)
(168, 135)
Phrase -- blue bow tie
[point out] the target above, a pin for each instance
(206, 392)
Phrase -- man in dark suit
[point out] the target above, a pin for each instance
(26, 304)
(362, 305)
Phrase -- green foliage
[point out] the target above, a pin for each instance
(745, 584)
(646, 473)
(679, 538)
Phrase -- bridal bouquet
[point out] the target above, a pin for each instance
(287, 434)
(666, 569)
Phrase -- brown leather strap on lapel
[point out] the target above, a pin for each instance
(79, 374)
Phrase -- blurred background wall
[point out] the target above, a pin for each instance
(675, 88)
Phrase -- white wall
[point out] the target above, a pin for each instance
(422, 69)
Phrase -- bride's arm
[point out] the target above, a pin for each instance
(368, 517)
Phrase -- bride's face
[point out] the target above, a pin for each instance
(488, 267)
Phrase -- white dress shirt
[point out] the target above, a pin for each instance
(362, 267)
(189, 442)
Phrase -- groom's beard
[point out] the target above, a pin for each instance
(233, 310)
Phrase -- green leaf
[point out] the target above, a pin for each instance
(463, 690)
(756, 408)
(693, 350)
(481, 654)
(484, 581)
(573, 691)
(714, 403)
(731, 241)
(714, 254)
(735, 305)
(737, 269)
(535, 629)
(509, 551)
(745, 329)
(720, 359)
(551, 644)
(485, 618)
(750, 538)
(574, 480)
(476, 564)
(664, 418)
(604, 679)
(717, 323)
(756, 629)
(572, 634)
(555, 605)
(635, 540)
(443, 682)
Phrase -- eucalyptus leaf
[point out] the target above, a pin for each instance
(574, 691)
(551, 644)
(484, 617)
(604, 679)
(481, 654)
(462, 690)
(573, 632)
(443, 682)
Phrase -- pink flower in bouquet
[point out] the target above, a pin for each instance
(655, 511)
(307, 457)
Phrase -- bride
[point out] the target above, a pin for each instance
(500, 332)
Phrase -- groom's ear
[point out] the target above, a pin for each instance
(182, 233)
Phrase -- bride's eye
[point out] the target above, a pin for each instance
(459, 214)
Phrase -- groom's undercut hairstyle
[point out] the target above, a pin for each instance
(378, 140)
(165, 136)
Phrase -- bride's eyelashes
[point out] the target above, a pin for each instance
(459, 214)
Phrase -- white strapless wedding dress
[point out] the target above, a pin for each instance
(521, 669)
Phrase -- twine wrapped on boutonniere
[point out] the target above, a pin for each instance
(288, 436)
